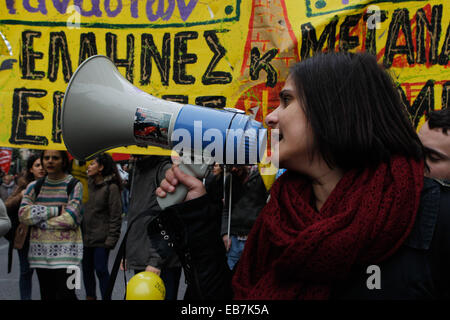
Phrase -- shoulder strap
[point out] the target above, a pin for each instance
(121, 254)
(71, 185)
(39, 182)
(38, 186)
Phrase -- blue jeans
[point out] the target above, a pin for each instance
(125, 200)
(26, 274)
(95, 259)
(235, 252)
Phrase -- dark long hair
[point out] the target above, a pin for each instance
(31, 160)
(354, 110)
(109, 168)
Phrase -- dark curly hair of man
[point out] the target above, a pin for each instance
(439, 119)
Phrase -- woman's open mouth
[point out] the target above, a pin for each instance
(276, 135)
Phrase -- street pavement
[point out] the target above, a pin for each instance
(9, 282)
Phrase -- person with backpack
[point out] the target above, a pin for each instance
(102, 221)
(51, 206)
(19, 236)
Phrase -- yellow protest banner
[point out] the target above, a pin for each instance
(227, 53)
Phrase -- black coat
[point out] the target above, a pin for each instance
(247, 200)
(418, 270)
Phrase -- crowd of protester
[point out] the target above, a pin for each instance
(356, 192)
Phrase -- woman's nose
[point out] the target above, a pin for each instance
(272, 119)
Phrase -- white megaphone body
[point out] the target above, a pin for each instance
(102, 110)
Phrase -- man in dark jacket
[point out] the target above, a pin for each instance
(247, 197)
(435, 138)
(141, 254)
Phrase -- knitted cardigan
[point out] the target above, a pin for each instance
(55, 218)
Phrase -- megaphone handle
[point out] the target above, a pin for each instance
(196, 170)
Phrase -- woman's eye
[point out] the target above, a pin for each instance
(285, 100)
(433, 158)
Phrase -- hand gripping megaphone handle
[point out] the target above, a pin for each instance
(195, 170)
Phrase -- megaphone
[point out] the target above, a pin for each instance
(102, 110)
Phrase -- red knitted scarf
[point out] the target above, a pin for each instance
(295, 252)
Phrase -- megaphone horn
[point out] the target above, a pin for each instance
(99, 109)
(102, 110)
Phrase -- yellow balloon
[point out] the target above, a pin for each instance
(145, 286)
